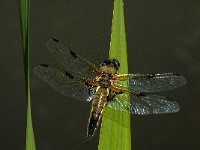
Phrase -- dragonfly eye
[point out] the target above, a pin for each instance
(113, 62)
(106, 62)
(116, 64)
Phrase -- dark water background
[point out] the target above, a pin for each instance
(162, 36)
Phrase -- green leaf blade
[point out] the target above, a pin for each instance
(24, 20)
(115, 131)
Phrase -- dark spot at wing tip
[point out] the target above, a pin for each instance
(44, 65)
(176, 74)
(73, 54)
(69, 75)
(150, 75)
(55, 40)
(141, 94)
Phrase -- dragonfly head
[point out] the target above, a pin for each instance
(111, 62)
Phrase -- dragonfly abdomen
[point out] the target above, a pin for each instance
(98, 103)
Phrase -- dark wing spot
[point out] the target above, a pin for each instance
(55, 40)
(88, 84)
(44, 65)
(150, 75)
(69, 75)
(176, 74)
(73, 54)
(140, 94)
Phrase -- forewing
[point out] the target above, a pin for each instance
(154, 82)
(62, 82)
(144, 105)
(70, 61)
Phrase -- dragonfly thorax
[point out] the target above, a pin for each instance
(104, 82)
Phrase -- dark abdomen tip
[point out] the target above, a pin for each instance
(92, 125)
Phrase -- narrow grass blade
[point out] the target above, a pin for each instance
(115, 131)
(24, 20)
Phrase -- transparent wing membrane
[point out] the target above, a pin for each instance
(153, 82)
(85, 77)
(70, 61)
(63, 82)
(144, 105)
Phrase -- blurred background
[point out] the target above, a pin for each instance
(162, 36)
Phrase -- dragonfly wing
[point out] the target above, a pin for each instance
(70, 61)
(154, 82)
(144, 105)
(63, 82)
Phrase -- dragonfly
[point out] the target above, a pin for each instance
(82, 80)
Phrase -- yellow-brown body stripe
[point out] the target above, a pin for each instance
(98, 104)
